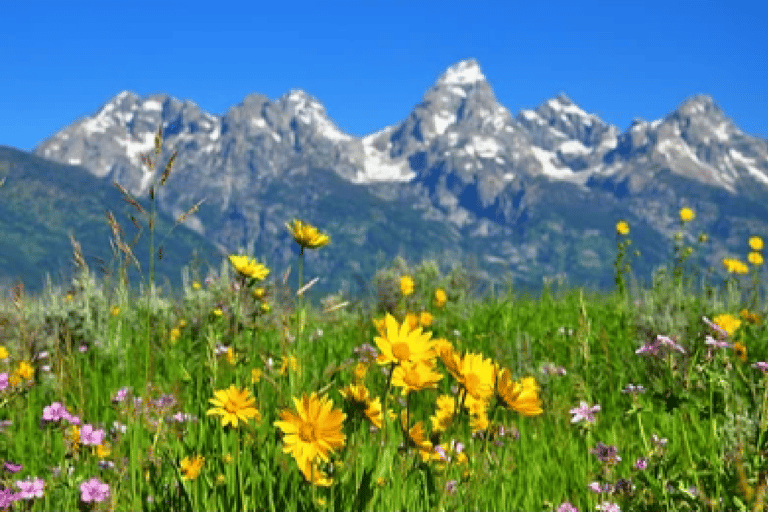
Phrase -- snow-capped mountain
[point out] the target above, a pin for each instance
(459, 158)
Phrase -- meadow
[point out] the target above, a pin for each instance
(238, 393)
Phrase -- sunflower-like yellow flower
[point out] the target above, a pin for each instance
(522, 396)
(756, 243)
(415, 376)
(622, 228)
(25, 371)
(314, 432)
(735, 266)
(4, 353)
(233, 405)
(399, 343)
(443, 418)
(360, 399)
(417, 438)
(728, 323)
(425, 319)
(477, 375)
(687, 214)
(440, 298)
(248, 267)
(307, 235)
(406, 285)
(755, 258)
(740, 351)
(750, 317)
(191, 467)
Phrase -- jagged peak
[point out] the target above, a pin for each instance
(698, 104)
(465, 72)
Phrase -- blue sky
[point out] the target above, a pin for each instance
(369, 62)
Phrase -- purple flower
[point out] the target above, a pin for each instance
(90, 436)
(7, 497)
(716, 343)
(566, 507)
(94, 490)
(658, 442)
(605, 453)
(30, 488)
(450, 486)
(584, 412)
(641, 464)
(54, 412)
(13, 468)
(4, 381)
(761, 365)
(74, 420)
(121, 394)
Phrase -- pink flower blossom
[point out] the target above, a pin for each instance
(30, 488)
(94, 490)
(584, 412)
(91, 436)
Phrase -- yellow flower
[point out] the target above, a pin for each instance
(255, 375)
(399, 343)
(233, 405)
(440, 298)
(755, 258)
(750, 317)
(221, 479)
(425, 319)
(360, 399)
(443, 418)
(728, 323)
(381, 481)
(289, 362)
(687, 214)
(174, 334)
(68, 297)
(360, 370)
(182, 323)
(265, 307)
(521, 396)
(756, 243)
(196, 285)
(103, 450)
(740, 351)
(191, 467)
(231, 356)
(248, 267)
(4, 352)
(477, 375)
(259, 293)
(115, 310)
(622, 227)
(417, 436)
(412, 320)
(25, 371)
(688, 251)
(415, 376)
(406, 285)
(735, 266)
(227, 458)
(314, 432)
(306, 235)
(218, 312)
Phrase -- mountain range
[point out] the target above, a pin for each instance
(528, 196)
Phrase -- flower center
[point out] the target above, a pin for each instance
(307, 432)
(232, 406)
(401, 351)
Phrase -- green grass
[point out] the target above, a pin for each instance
(712, 412)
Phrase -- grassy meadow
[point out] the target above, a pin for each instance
(238, 393)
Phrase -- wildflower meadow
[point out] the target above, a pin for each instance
(238, 393)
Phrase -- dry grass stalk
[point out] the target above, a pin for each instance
(306, 287)
(167, 170)
(158, 141)
(189, 212)
(335, 307)
(128, 197)
(77, 253)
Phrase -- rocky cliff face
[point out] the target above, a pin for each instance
(534, 194)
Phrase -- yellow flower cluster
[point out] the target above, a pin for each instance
(191, 467)
(234, 405)
(734, 266)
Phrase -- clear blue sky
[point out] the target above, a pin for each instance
(369, 62)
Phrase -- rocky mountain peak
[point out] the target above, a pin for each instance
(465, 72)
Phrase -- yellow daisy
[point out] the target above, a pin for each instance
(687, 214)
(315, 431)
(406, 285)
(306, 235)
(191, 467)
(233, 405)
(522, 396)
(728, 323)
(248, 267)
(622, 227)
(398, 343)
(740, 351)
(477, 375)
(415, 376)
(440, 298)
(755, 258)
(756, 243)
